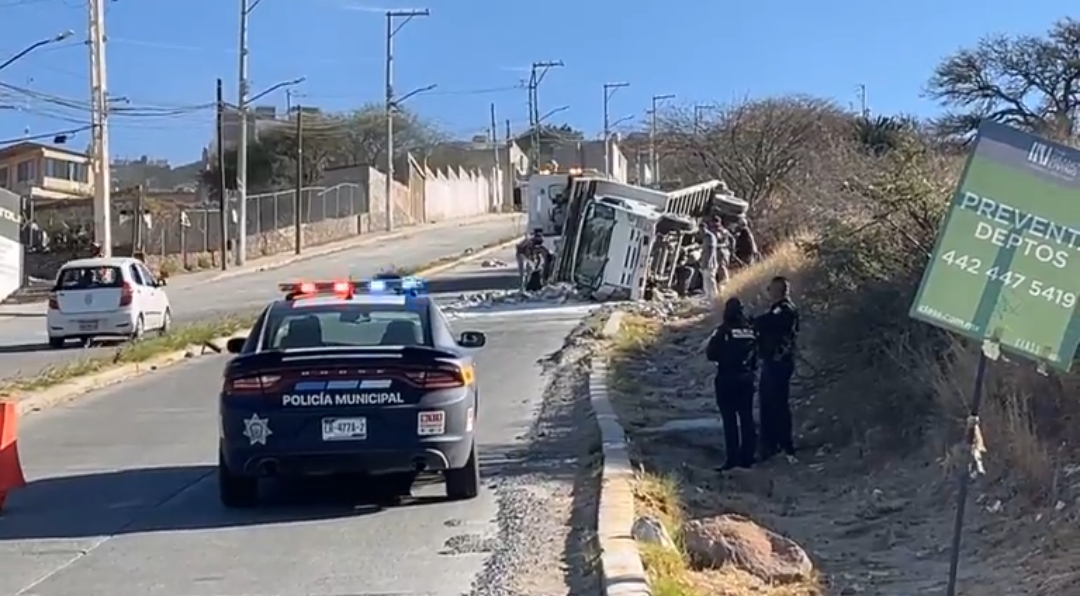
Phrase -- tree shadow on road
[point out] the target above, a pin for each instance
(145, 500)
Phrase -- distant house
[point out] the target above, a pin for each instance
(565, 153)
(45, 171)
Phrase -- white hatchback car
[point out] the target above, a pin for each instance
(106, 297)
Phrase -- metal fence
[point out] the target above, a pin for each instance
(185, 229)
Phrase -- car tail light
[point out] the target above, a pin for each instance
(54, 303)
(126, 294)
(442, 378)
(252, 385)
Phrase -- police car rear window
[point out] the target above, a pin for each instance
(89, 278)
(343, 325)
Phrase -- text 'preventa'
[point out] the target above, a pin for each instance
(1032, 235)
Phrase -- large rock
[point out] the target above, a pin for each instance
(735, 540)
(650, 531)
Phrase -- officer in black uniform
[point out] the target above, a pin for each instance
(734, 349)
(777, 330)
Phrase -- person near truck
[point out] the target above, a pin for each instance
(711, 256)
(777, 330)
(531, 253)
(733, 347)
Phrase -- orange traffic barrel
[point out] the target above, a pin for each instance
(11, 474)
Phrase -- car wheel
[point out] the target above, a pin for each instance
(464, 483)
(166, 322)
(56, 342)
(235, 491)
(140, 328)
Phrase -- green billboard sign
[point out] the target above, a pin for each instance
(1006, 264)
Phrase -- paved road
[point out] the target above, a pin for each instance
(23, 340)
(123, 500)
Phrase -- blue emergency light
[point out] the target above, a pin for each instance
(385, 284)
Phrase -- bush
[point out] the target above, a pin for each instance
(866, 196)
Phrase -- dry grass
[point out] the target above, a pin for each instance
(661, 493)
(876, 519)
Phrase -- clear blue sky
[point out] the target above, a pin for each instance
(168, 52)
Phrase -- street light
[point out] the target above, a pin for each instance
(55, 39)
(551, 113)
(609, 90)
(654, 162)
(392, 103)
(273, 88)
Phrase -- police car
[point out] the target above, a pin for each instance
(359, 378)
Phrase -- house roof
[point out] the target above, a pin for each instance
(26, 146)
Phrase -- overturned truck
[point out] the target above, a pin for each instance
(618, 241)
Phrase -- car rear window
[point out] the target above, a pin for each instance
(89, 278)
(342, 325)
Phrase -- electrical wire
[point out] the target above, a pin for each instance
(49, 135)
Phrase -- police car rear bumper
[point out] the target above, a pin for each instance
(428, 456)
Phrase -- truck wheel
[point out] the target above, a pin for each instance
(236, 491)
(464, 483)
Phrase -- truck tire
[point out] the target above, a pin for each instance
(236, 492)
(673, 223)
(464, 483)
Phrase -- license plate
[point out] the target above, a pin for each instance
(88, 325)
(344, 429)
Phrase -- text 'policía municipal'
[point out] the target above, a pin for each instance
(340, 399)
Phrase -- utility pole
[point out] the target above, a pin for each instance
(609, 90)
(223, 186)
(246, 6)
(864, 109)
(408, 15)
(137, 242)
(654, 160)
(298, 198)
(99, 120)
(497, 178)
(698, 111)
(536, 76)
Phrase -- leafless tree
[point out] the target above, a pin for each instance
(1031, 82)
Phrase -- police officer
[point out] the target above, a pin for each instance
(734, 349)
(777, 331)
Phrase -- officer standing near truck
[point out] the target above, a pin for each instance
(777, 331)
(734, 349)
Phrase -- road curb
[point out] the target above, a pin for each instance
(69, 390)
(620, 562)
(359, 242)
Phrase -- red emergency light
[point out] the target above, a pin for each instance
(316, 288)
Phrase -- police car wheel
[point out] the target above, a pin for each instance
(464, 483)
(236, 491)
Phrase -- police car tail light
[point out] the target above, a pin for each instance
(256, 384)
(447, 378)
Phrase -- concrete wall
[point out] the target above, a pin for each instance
(431, 195)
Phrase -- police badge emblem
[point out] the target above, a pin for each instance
(257, 429)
